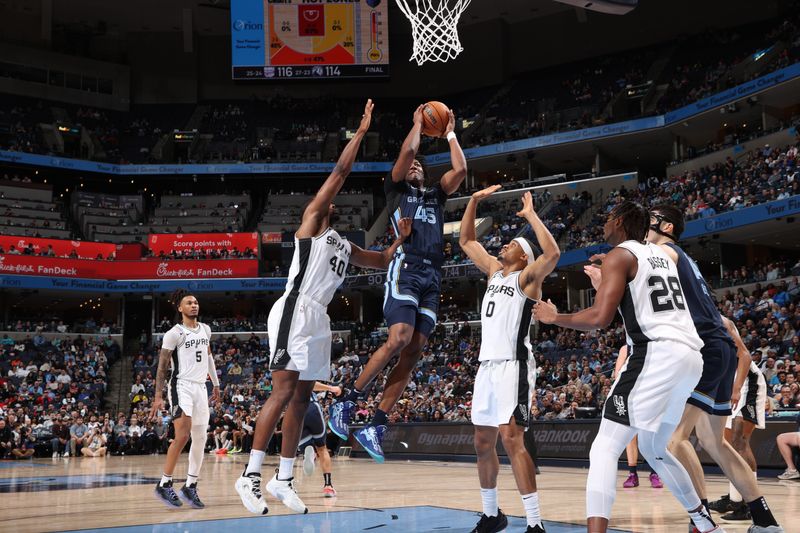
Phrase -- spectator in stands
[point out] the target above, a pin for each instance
(77, 433)
(6, 439)
(60, 442)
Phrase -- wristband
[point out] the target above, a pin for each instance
(451, 136)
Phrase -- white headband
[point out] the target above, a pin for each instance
(527, 247)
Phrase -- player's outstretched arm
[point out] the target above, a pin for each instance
(318, 207)
(545, 263)
(454, 177)
(380, 260)
(743, 366)
(468, 240)
(618, 267)
(409, 149)
(322, 387)
(161, 379)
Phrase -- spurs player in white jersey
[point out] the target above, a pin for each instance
(663, 368)
(507, 373)
(186, 350)
(299, 329)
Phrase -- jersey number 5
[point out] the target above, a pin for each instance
(665, 296)
(198, 355)
(426, 214)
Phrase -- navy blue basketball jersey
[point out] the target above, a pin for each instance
(426, 209)
(697, 294)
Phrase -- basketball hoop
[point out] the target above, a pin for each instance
(434, 28)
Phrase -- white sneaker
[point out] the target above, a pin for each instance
(55, 455)
(249, 489)
(764, 529)
(309, 456)
(789, 474)
(66, 455)
(283, 490)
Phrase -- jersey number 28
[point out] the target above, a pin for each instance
(665, 296)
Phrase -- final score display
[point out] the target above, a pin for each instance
(301, 39)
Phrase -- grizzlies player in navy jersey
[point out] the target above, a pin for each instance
(413, 283)
(709, 405)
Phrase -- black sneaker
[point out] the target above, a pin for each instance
(723, 505)
(538, 528)
(740, 511)
(189, 495)
(491, 524)
(167, 495)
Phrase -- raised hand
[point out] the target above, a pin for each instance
(545, 312)
(595, 274)
(404, 226)
(366, 118)
(418, 116)
(485, 193)
(451, 123)
(527, 206)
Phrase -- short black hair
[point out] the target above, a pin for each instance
(673, 215)
(176, 299)
(635, 219)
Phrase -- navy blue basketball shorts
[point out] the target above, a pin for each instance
(412, 295)
(313, 427)
(713, 392)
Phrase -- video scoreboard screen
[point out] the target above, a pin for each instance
(302, 39)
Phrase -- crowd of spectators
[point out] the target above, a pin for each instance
(198, 253)
(57, 325)
(45, 387)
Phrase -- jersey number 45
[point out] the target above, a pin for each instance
(426, 214)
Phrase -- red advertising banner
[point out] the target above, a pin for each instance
(130, 252)
(29, 265)
(86, 250)
(169, 242)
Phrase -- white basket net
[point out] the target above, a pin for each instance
(434, 28)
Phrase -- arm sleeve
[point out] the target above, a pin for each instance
(212, 369)
(170, 340)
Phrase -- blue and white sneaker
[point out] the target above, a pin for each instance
(371, 438)
(340, 415)
(167, 494)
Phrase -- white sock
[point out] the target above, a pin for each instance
(755, 475)
(489, 499)
(254, 464)
(531, 503)
(165, 479)
(191, 480)
(734, 494)
(285, 468)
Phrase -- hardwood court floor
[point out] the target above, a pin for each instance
(80, 493)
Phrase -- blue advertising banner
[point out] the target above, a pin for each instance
(735, 93)
(606, 130)
(149, 170)
(247, 33)
(742, 217)
(141, 286)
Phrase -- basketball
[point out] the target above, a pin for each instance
(435, 116)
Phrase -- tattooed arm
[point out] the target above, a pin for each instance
(161, 380)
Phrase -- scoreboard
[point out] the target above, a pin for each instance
(307, 39)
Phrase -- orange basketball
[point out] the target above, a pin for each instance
(435, 116)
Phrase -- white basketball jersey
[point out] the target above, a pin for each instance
(505, 320)
(189, 351)
(319, 265)
(653, 307)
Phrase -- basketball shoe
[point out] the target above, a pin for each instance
(189, 494)
(340, 415)
(283, 490)
(723, 505)
(538, 528)
(632, 481)
(655, 481)
(167, 494)
(491, 524)
(249, 488)
(328, 491)
(789, 474)
(371, 439)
